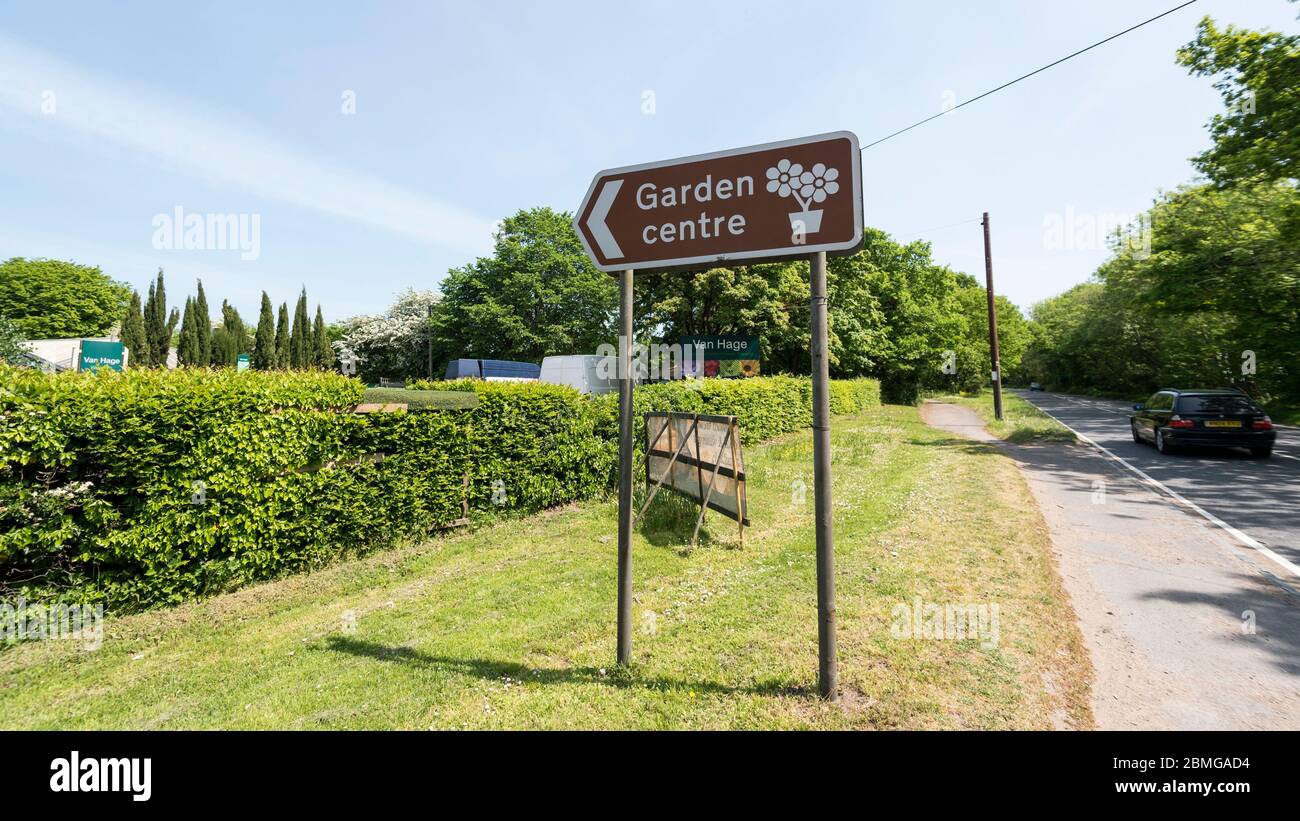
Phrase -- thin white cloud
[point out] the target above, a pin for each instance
(209, 146)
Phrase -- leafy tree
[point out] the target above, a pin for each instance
(1212, 297)
(893, 315)
(11, 342)
(133, 334)
(1223, 277)
(974, 362)
(322, 353)
(202, 328)
(230, 338)
(300, 338)
(264, 356)
(767, 301)
(158, 324)
(916, 300)
(50, 298)
(393, 343)
(282, 355)
(1258, 136)
(538, 294)
(185, 348)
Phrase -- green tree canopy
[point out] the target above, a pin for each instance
(282, 352)
(202, 327)
(322, 353)
(12, 349)
(158, 323)
(1258, 136)
(133, 334)
(51, 299)
(394, 343)
(1215, 301)
(538, 294)
(264, 344)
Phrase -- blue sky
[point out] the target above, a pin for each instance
(466, 113)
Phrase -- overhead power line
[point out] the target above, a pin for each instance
(1030, 74)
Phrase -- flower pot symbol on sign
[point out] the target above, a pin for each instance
(807, 187)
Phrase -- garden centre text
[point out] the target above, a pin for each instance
(650, 196)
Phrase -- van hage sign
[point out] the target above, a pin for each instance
(98, 353)
(755, 204)
(722, 356)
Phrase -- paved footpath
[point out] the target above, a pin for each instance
(1186, 628)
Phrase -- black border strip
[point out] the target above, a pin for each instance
(723, 470)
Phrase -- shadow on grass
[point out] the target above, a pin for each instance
(490, 670)
(966, 445)
(670, 520)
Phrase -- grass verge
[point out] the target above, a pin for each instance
(1021, 422)
(512, 626)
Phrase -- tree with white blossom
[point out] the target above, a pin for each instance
(393, 343)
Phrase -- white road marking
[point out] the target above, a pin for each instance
(1188, 503)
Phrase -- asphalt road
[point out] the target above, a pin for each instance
(1186, 627)
(1260, 497)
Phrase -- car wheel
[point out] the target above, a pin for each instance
(1137, 437)
(1161, 444)
(1261, 453)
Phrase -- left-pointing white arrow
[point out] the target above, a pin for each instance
(596, 222)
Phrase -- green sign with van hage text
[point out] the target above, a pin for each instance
(724, 356)
(723, 347)
(98, 354)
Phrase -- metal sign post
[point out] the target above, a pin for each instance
(827, 671)
(625, 469)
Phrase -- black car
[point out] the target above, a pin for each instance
(1215, 418)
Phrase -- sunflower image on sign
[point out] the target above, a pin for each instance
(749, 367)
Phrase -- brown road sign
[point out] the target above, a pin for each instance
(765, 202)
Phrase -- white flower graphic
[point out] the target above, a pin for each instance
(819, 183)
(808, 188)
(784, 178)
(787, 179)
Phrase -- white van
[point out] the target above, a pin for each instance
(577, 371)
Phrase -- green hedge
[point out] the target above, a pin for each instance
(98, 471)
(543, 443)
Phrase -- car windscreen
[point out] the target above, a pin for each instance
(1221, 403)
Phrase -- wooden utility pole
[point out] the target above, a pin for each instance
(993, 323)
